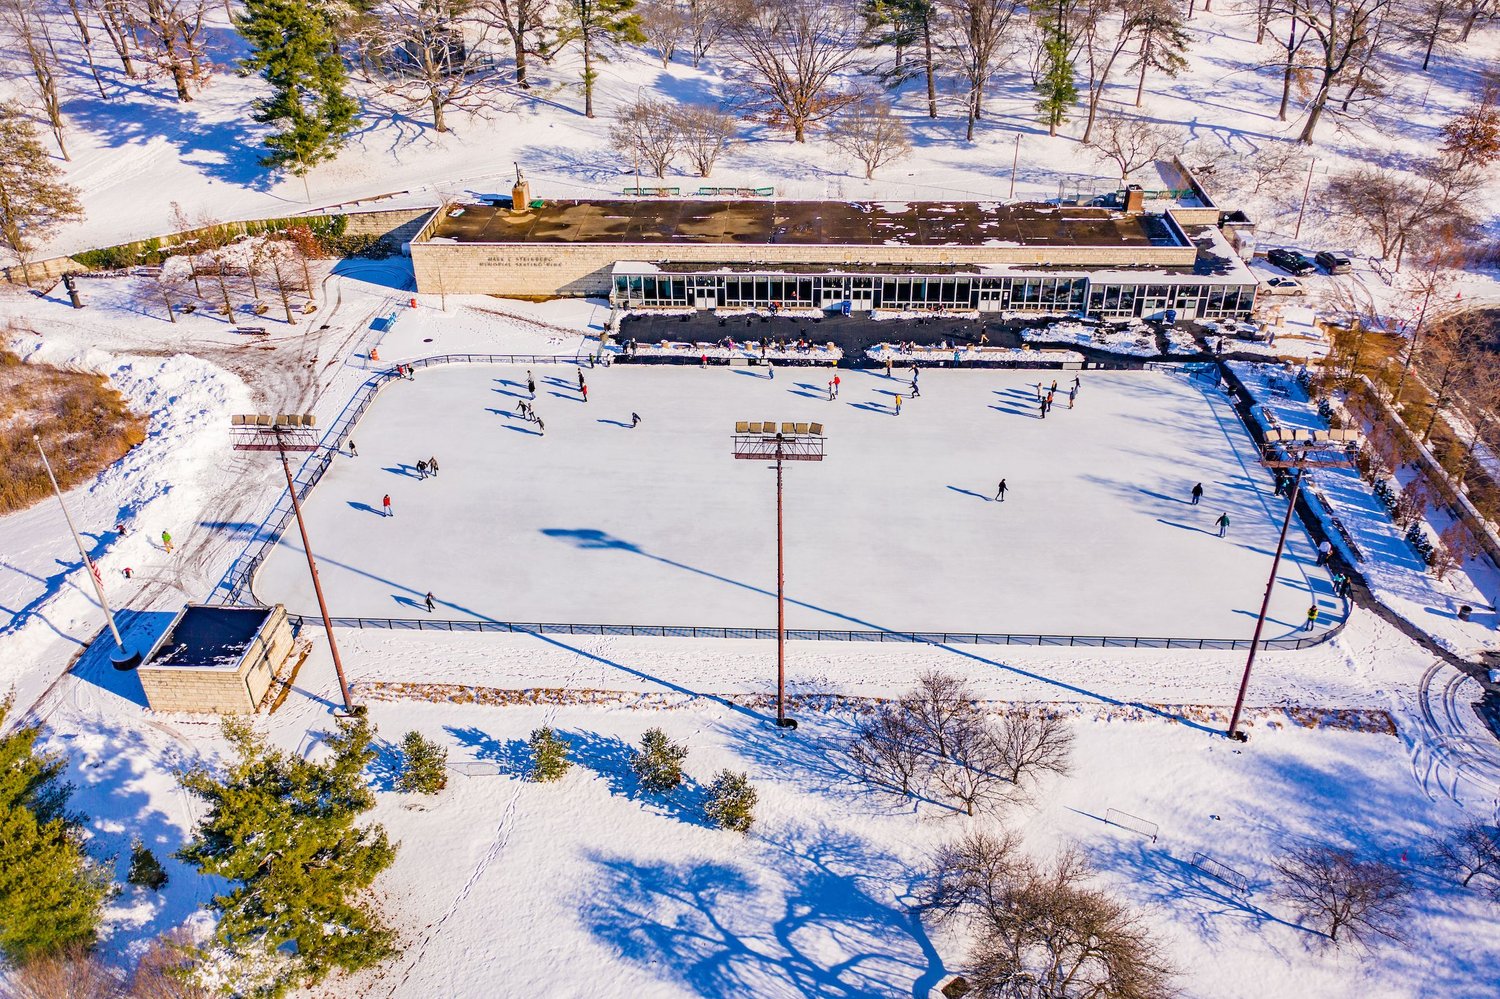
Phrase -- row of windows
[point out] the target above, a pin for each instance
(986, 294)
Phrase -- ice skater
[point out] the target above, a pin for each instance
(541, 427)
(916, 390)
(353, 451)
(530, 384)
(1325, 552)
(836, 383)
(1000, 491)
(1312, 618)
(1038, 391)
(830, 391)
(1197, 493)
(432, 466)
(430, 602)
(898, 405)
(421, 469)
(635, 420)
(585, 391)
(1042, 405)
(580, 380)
(385, 505)
(166, 541)
(1076, 383)
(1223, 523)
(1072, 395)
(523, 409)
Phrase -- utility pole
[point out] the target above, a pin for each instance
(1306, 190)
(281, 434)
(122, 657)
(1015, 162)
(1265, 604)
(794, 442)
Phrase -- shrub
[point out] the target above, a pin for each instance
(731, 801)
(658, 763)
(549, 756)
(425, 765)
(145, 870)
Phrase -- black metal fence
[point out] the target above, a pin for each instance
(816, 634)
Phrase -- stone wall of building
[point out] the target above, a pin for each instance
(222, 691)
(393, 228)
(527, 270)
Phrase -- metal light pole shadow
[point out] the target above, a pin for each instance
(122, 658)
(1297, 450)
(283, 433)
(793, 442)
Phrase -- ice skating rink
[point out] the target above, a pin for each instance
(596, 522)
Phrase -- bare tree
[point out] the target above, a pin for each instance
(645, 132)
(428, 59)
(1435, 24)
(1395, 208)
(1131, 143)
(1455, 343)
(526, 23)
(705, 134)
(173, 32)
(26, 24)
(1336, 893)
(116, 18)
(888, 752)
(1033, 744)
(873, 134)
(936, 706)
(972, 770)
(977, 31)
(79, 10)
(1472, 852)
(1472, 137)
(1042, 929)
(710, 20)
(665, 24)
(1472, 12)
(1103, 28)
(1479, 402)
(72, 974)
(793, 53)
(1338, 33)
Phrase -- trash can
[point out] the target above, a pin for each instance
(1464, 612)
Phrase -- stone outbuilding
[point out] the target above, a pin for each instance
(218, 659)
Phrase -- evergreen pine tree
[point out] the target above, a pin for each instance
(731, 801)
(658, 763)
(593, 21)
(145, 870)
(282, 830)
(295, 50)
(51, 892)
(1056, 86)
(426, 765)
(549, 755)
(33, 200)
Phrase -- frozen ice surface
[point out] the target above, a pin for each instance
(897, 529)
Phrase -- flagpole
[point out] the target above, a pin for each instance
(122, 657)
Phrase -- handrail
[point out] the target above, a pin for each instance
(812, 634)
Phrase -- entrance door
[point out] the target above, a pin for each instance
(989, 300)
(861, 293)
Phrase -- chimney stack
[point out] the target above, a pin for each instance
(1135, 198)
(520, 194)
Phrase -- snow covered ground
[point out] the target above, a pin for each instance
(591, 887)
(896, 529)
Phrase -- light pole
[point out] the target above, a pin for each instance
(1294, 449)
(293, 432)
(792, 442)
(122, 657)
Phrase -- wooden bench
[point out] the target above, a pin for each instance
(252, 330)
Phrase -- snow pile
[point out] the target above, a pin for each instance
(1134, 339)
(962, 354)
(811, 353)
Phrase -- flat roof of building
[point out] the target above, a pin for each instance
(807, 223)
(208, 637)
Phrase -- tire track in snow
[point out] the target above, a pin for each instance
(502, 832)
(1442, 746)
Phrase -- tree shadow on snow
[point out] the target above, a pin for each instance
(512, 756)
(609, 757)
(839, 927)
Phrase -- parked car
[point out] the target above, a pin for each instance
(1282, 285)
(1291, 261)
(1334, 262)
